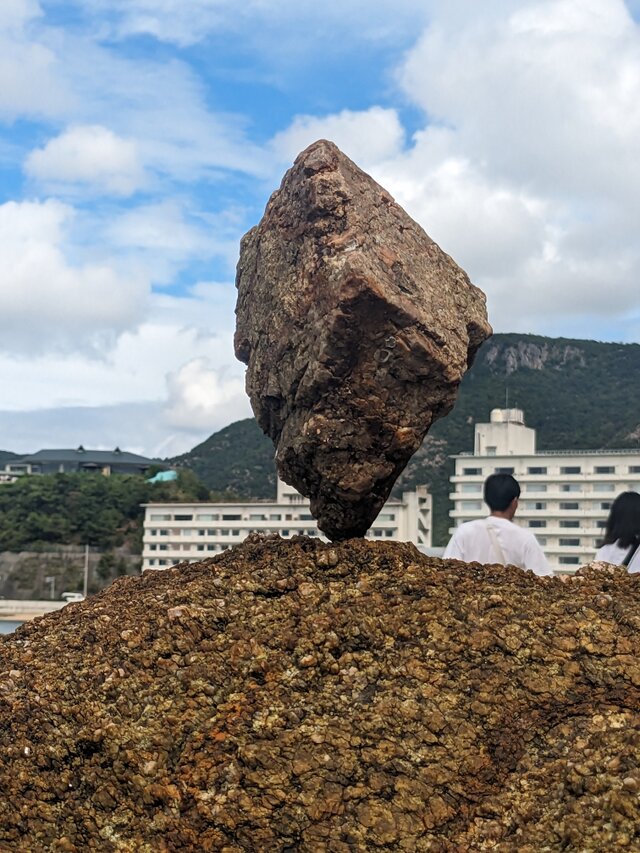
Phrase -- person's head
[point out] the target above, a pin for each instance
(501, 493)
(623, 524)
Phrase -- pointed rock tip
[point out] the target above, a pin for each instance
(320, 155)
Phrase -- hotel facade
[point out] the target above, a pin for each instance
(188, 532)
(566, 494)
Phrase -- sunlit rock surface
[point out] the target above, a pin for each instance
(293, 695)
(356, 329)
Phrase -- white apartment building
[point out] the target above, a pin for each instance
(566, 494)
(188, 532)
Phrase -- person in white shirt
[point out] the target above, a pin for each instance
(497, 539)
(622, 533)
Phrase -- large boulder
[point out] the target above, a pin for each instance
(356, 329)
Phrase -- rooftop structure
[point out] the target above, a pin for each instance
(566, 494)
(71, 461)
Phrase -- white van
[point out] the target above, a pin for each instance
(72, 596)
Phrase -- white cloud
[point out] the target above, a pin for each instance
(283, 26)
(544, 92)
(160, 238)
(14, 14)
(368, 136)
(31, 78)
(200, 393)
(48, 302)
(91, 155)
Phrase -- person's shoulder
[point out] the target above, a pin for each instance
(470, 526)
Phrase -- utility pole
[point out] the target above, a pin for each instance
(86, 571)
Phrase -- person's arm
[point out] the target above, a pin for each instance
(454, 551)
(535, 559)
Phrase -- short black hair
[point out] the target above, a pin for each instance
(623, 524)
(499, 491)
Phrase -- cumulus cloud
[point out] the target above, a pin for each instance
(91, 155)
(162, 388)
(526, 169)
(48, 302)
(200, 395)
(368, 136)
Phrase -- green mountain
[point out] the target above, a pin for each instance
(577, 394)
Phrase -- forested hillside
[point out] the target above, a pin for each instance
(577, 394)
(66, 509)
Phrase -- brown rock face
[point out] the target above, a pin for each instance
(356, 329)
(298, 696)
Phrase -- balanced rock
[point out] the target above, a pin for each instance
(356, 329)
(296, 695)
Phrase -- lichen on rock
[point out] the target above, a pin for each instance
(294, 695)
(356, 328)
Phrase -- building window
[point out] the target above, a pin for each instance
(605, 505)
(202, 532)
(163, 547)
(472, 472)
(199, 547)
(601, 524)
(468, 488)
(153, 547)
(542, 540)
(570, 469)
(571, 487)
(538, 522)
(183, 517)
(163, 517)
(275, 517)
(567, 524)
(389, 516)
(207, 517)
(388, 533)
(569, 543)
(569, 561)
(491, 451)
(536, 487)
(536, 470)
(504, 471)
(535, 505)
(257, 516)
(471, 504)
(634, 469)
(604, 487)
(211, 547)
(569, 505)
(604, 469)
(232, 518)
(163, 532)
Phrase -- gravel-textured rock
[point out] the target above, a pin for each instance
(302, 696)
(356, 329)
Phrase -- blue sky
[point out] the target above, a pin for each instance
(139, 139)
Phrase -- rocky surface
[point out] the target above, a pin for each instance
(356, 329)
(301, 696)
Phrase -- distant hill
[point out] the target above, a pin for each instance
(577, 394)
(238, 459)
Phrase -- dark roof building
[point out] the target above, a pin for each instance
(71, 461)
